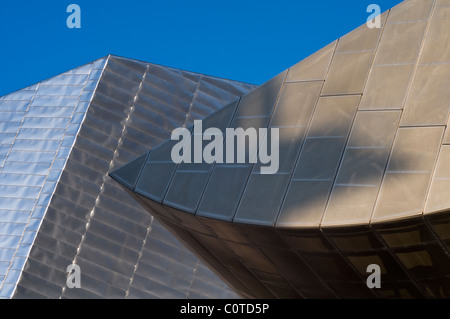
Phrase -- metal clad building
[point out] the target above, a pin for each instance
(363, 178)
(59, 139)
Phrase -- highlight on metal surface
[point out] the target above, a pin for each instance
(363, 179)
(357, 208)
(59, 139)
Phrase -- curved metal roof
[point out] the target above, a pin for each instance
(363, 177)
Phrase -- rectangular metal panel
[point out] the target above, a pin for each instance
(261, 101)
(296, 104)
(318, 162)
(61, 101)
(33, 157)
(362, 168)
(415, 149)
(374, 129)
(348, 73)
(18, 100)
(313, 67)
(45, 122)
(304, 204)
(320, 158)
(186, 190)
(362, 38)
(252, 209)
(155, 171)
(35, 145)
(333, 116)
(438, 198)
(290, 141)
(191, 178)
(60, 90)
(350, 205)
(400, 43)
(46, 133)
(387, 87)
(228, 181)
(427, 103)
(402, 194)
(411, 10)
(408, 173)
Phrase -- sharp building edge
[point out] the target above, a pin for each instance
(363, 178)
(59, 140)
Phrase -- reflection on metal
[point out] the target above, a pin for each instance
(59, 139)
(364, 174)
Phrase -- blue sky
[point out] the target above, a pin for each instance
(246, 40)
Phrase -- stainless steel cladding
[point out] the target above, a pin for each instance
(59, 139)
(364, 172)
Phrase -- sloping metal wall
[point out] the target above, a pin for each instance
(86, 219)
(363, 176)
(38, 126)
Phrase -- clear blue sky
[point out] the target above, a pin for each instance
(245, 40)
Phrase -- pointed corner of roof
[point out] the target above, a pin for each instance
(128, 174)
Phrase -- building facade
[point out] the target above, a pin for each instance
(363, 178)
(59, 139)
(87, 175)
